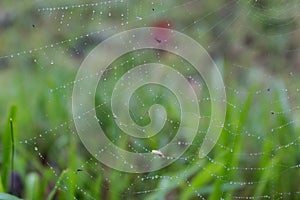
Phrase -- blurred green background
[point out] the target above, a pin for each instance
(255, 44)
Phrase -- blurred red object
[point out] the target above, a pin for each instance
(161, 35)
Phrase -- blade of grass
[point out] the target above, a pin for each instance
(32, 186)
(238, 140)
(96, 190)
(201, 178)
(273, 159)
(57, 184)
(1, 186)
(216, 193)
(8, 148)
(12, 150)
(265, 178)
(167, 185)
(72, 166)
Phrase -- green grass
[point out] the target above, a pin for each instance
(8, 148)
(209, 178)
(197, 176)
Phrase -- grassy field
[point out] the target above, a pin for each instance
(255, 46)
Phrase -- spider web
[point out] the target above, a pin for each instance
(255, 45)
